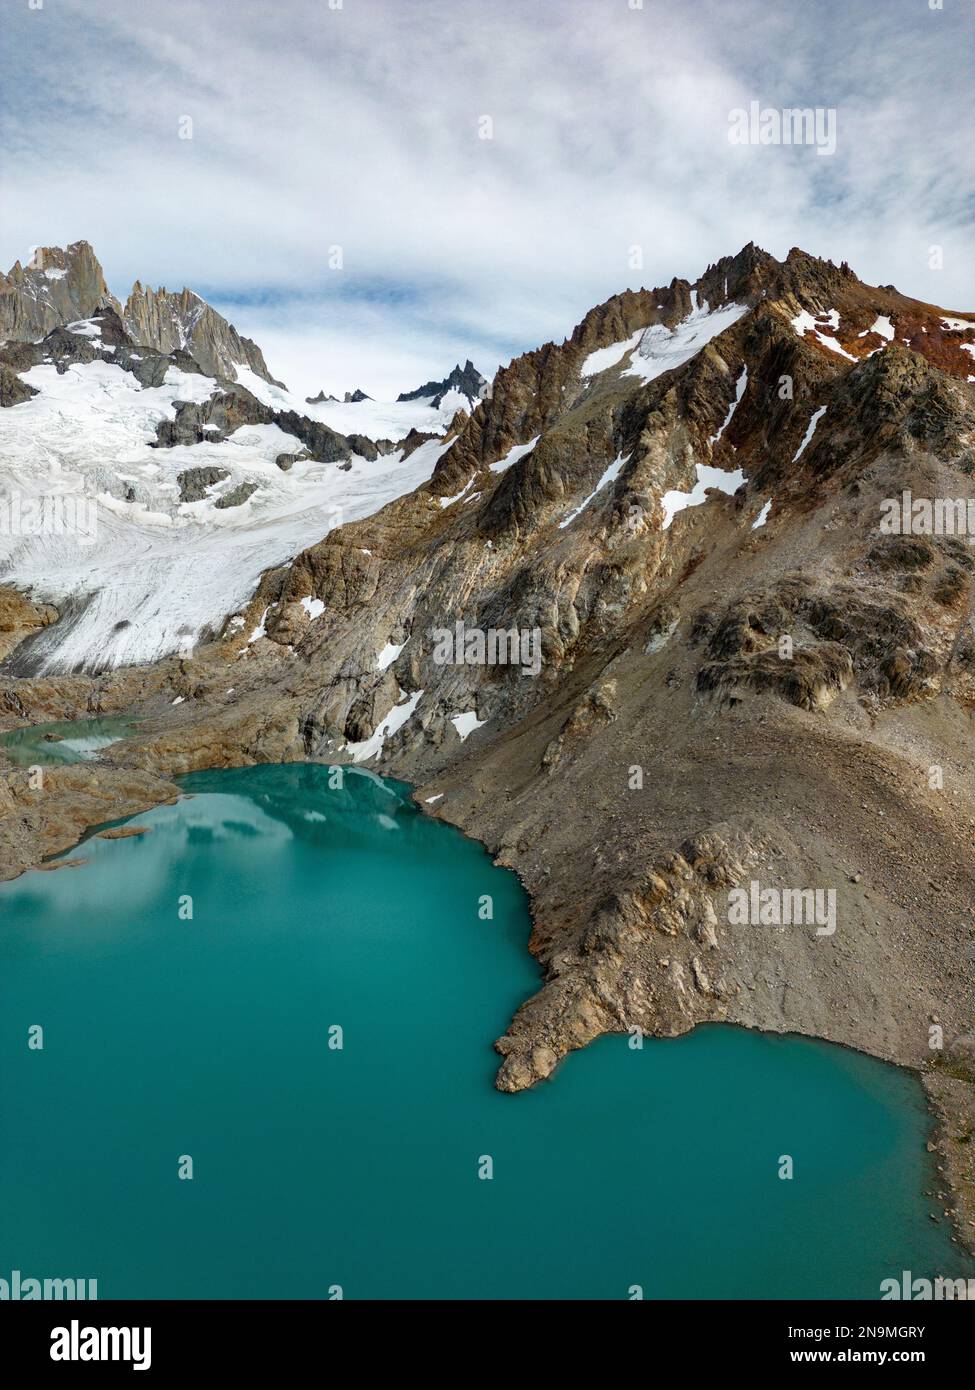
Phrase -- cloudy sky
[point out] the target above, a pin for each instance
(359, 125)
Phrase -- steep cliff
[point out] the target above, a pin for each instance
(184, 321)
(55, 287)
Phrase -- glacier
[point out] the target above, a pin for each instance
(159, 574)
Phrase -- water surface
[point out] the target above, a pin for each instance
(74, 741)
(314, 1167)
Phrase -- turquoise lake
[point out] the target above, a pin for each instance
(315, 1167)
(52, 744)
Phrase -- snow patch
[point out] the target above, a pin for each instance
(314, 607)
(740, 386)
(394, 721)
(763, 515)
(661, 349)
(881, 325)
(610, 475)
(449, 501)
(604, 358)
(804, 321)
(518, 451)
(260, 630)
(86, 328)
(657, 349)
(810, 431)
(659, 640)
(727, 481)
(466, 723)
(388, 655)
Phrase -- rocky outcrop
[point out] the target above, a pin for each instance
(236, 497)
(466, 380)
(19, 617)
(216, 418)
(195, 483)
(960, 1057)
(60, 287)
(232, 406)
(12, 389)
(55, 287)
(45, 817)
(170, 322)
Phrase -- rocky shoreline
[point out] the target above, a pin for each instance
(748, 689)
(694, 971)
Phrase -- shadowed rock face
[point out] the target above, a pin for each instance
(466, 379)
(194, 483)
(19, 617)
(12, 389)
(237, 496)
(55, 287)
(672, 746)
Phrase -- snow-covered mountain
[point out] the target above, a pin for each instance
(678, 511)
(153, 469)
(379, 421)
(201, 478)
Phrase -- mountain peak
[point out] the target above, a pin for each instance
(170, 321)
(466, 380)
(58, 285)
(62, 285)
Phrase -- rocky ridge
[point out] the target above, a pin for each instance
(59, 287)
(185, 322)
(466, 380)
(697, 751)
(56, 287)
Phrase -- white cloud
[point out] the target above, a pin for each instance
(315, 127)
